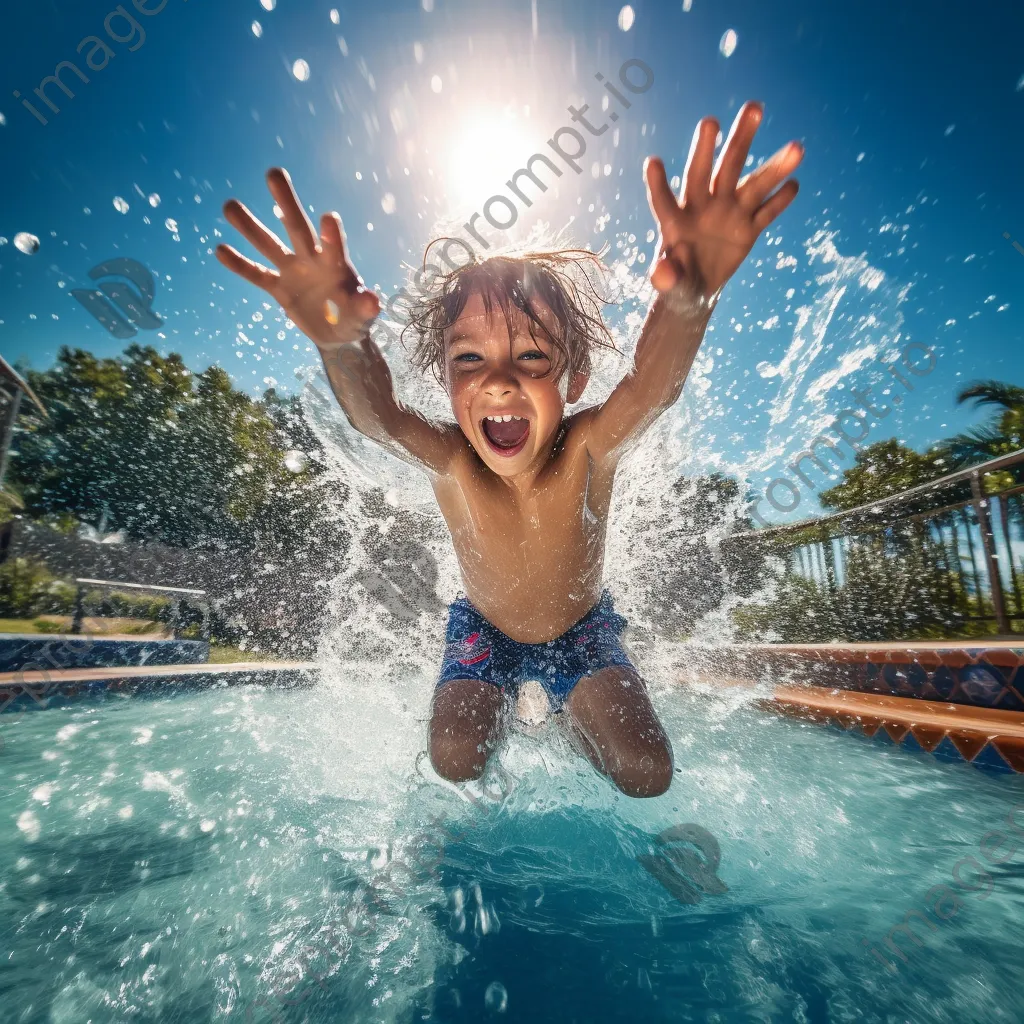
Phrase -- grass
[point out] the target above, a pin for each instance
(45, 624)
(225, 654)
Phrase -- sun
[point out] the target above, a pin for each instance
(488, 147)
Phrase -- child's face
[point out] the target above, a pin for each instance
(489, 378)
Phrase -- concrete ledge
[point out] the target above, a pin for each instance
(22, 691)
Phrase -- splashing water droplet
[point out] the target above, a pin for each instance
(257, 29)
(121, 205)
(387, 203)
(335, 16)
(496, 997)
(435, 83)
(728, 44)
(27, 243)
(3, 120)
(417, 52)
(295, 461)
(300, 69)
(626, 18)
(268, 5)
(428, 5)
(171, 224)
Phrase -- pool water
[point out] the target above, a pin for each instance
(224, 856)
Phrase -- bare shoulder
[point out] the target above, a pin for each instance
(579, 434)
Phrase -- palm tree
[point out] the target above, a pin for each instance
(1001, 435)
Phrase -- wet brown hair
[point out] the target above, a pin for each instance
(564, 279)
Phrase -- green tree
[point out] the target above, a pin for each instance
(881, 470)
(140, 444)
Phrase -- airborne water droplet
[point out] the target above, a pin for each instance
(728, 43)
(171, 224)
(121, 205)
(300, 69)
(27, 243)
(257, 29)
(496, 997)
(154, 200)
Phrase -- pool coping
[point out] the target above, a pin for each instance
(20, 691)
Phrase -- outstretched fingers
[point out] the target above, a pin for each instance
(697, 177)
(255, 232)
(293, 216)
(773, 206)
(365, 303)
(254, 273)
(332, 236)
(659, 193)
(758, 185)
(737, 146)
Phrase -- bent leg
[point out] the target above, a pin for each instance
(464, 728)
(611, 721)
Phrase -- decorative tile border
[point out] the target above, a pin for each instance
(984, 676)
(988, 739)
(59, 651)
(952, 700)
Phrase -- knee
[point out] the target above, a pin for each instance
(647, 776)
(457, 760)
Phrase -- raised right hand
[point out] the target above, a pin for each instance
(316, 284)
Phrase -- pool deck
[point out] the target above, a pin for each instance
(23, 690)
(959, 700)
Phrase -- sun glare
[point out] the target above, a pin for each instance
(487, 148)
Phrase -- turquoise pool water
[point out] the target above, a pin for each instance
(212, 858)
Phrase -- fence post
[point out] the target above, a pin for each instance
(995, 583)
(78, 622)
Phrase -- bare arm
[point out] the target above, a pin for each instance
(321, 292)
(705, 236)
(361, 381)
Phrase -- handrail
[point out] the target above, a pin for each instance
(78, 621)
(982, 469)
(141, 586)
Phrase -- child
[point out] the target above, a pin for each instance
(524, 491)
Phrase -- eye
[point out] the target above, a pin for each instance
(533, 353)
(467, 357)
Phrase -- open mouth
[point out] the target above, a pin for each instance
(506, 434)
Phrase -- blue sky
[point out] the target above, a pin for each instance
(910, 113)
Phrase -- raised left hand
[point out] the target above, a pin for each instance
(707, 233)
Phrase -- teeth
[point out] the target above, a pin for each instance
(502, 419)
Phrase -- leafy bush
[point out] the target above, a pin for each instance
(28, 588)
(46, 626)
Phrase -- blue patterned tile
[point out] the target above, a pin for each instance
(991, 760)
(945, 751)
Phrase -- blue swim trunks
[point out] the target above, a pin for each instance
(474, 649)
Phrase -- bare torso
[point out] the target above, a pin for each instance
(531, 558)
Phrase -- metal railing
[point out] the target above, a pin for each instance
(970, 537)
(177, 593)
